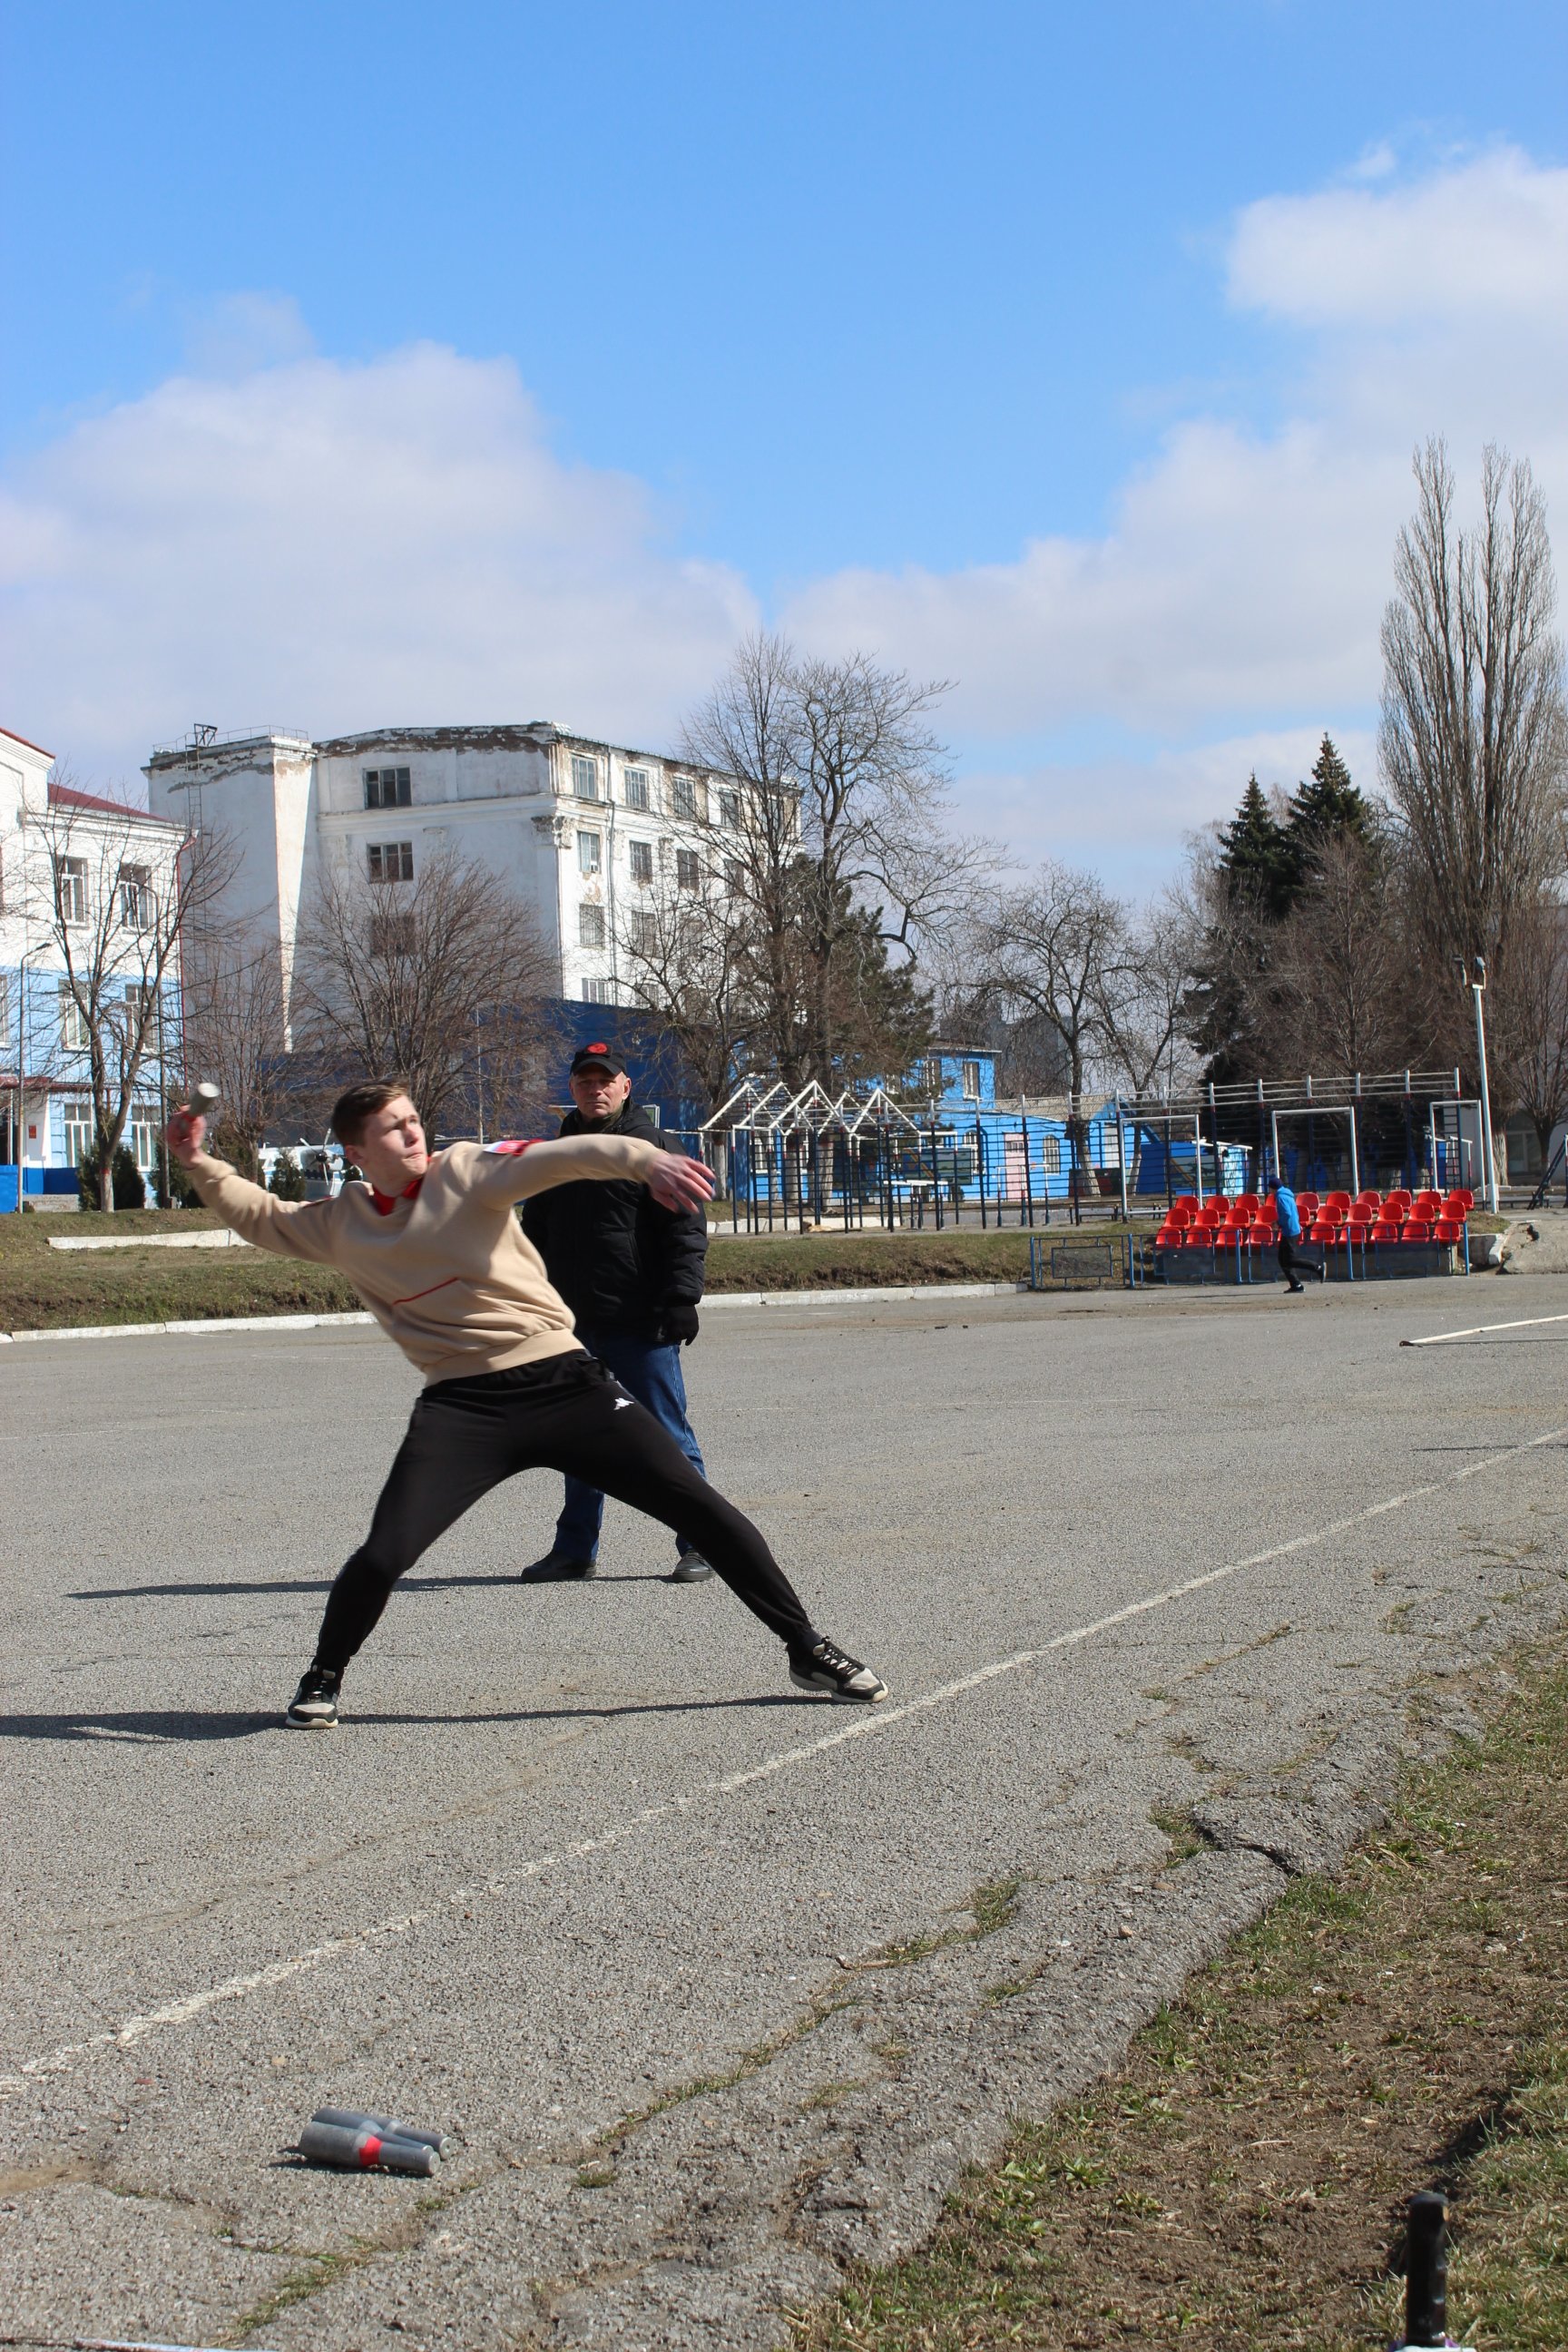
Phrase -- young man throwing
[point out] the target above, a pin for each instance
(631, 1271)
(431, 1244)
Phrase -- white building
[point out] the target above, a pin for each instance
(577, 828)
(69, 859)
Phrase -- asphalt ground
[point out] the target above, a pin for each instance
(705, 1979)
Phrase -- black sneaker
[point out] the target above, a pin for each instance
(691, 1568)
(314, 1706)
(559, 1568)
(830, 1669)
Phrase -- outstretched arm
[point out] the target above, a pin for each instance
(287, 1228)
(521, 1169)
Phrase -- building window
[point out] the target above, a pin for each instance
(688, 871)
(590, 927)
(1051, 1154)
(684, 796)
(390, 861)
(70, 889)
(141, 1002)
(934, 1081)
(386, 788)
(969, 1076)
(734, 878)
(644, 932)
(136, 909)
(76, 1119)
(729, 811)
(75, 1034)
(639, 794)
(642, 861)
(585, 777)
(598, 991)
(5, 1013)
(142, 1135)
(588, 848)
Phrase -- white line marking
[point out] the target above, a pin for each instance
(1440, 1338)
(195, 2004)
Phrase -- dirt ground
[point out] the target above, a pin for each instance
(1242, 2180)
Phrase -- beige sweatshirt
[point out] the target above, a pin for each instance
(449, 1274)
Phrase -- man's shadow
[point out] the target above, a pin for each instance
(144, 1727)
(325, 1585)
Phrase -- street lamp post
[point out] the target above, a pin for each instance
(1478, 987)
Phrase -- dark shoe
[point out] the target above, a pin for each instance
(559, 1568)
(691, 1568)
(830, 1669)
(1323, 1271)
(314, 1706)
(1294, 1289)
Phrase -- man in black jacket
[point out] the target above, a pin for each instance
(631, 1272)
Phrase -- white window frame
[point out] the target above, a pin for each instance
(639, 789)
(688, 870)
(640, 859)
(76, 1032)
(584, 776)
(75, 1117)
(138, 906)
(142, 1130)
(683, 799)
(644, 931)
(590, 927)
(598, 991)
(968, 1071)
(590, 853)
(729, 811)
(70, 889)
(389, 861)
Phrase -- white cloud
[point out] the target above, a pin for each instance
(281, 538)
(1487, 238)
(327, 546)
(1240, 587)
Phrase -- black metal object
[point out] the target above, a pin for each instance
(1427, 2270)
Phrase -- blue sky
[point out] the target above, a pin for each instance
(826, 315)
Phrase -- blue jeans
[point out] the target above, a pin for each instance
(651, 1373)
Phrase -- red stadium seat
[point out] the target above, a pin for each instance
(1185, 1200)
(1386, 1230)
(1337, 1201)
(1262, 1236)
(1426, 1204)
(1457, 1206)
(1307, 1202)
(1446, 1229)
(1198, 1236)
(1370, 1197)
(1416, 1229)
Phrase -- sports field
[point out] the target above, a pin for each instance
(713, 1986)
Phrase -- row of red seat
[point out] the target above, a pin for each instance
(1335, 1220)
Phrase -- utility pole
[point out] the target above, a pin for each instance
(1478, 987)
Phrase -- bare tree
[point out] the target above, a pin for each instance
(685, 952)
(1346, 982)
(236, 1035)
(118, 907)
(1474, 736)
(1530, 1032)
(826, 801)
(440, 980)
(1143, 995)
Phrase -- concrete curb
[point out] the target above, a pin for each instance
(321, 1322)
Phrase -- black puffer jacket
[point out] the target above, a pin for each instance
(618, 1259)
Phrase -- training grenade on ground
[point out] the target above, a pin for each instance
(362, 2151)
(358, 2119)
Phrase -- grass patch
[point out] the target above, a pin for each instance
(864, 1261)
(1241, 2180)
(43, 1290)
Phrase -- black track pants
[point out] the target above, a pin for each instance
(567, 1413)
(1291, 1267)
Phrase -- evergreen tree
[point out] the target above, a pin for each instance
(1327, 808)
(1255, 855)
(287, 1179)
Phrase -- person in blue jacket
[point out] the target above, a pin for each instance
(1291, 1265)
